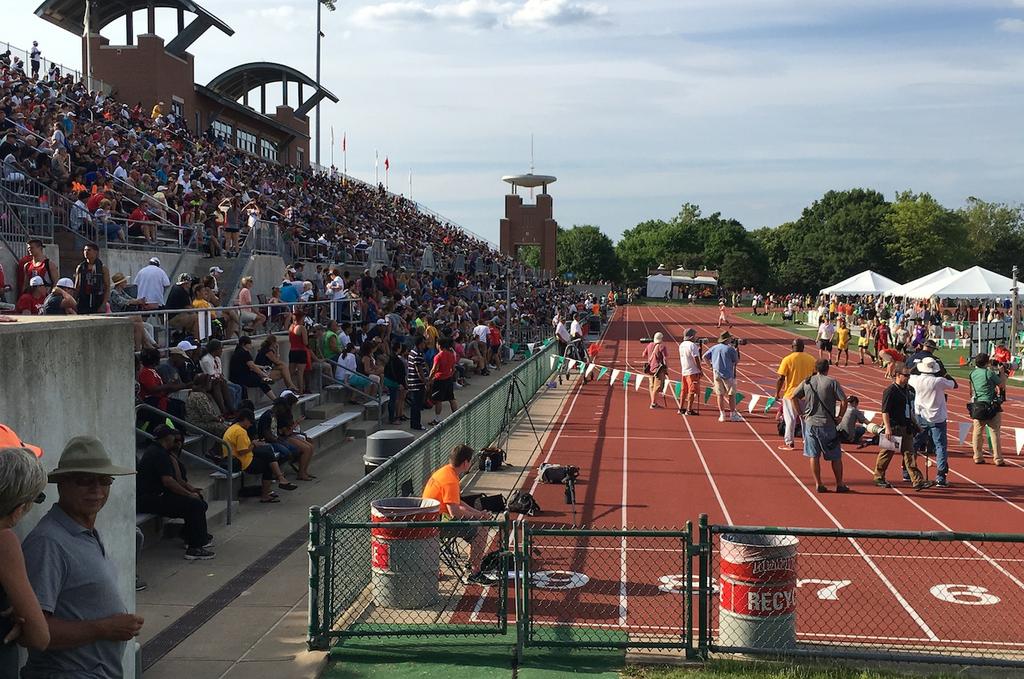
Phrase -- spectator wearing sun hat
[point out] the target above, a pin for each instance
(61, 300)
(656, 365)
(930, 384)
(723, 358)
(75, 581)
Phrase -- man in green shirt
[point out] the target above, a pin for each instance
(331, 350)
(988, 385)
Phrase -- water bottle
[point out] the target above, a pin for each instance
(487, 463)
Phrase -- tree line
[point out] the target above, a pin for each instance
(840, 234)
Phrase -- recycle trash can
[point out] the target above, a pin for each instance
(404, 561)
(757, 591)
(383, 445)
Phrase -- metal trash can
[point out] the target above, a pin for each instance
(594, 325)
(404, 561)
(757, 591)
(383, 445)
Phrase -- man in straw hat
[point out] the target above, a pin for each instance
(74, 580)
(656, 365)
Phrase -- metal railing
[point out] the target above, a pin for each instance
(202, 461)
(45, 64)
(337, 587)
(378, 398)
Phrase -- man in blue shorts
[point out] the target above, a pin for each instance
(820, 393)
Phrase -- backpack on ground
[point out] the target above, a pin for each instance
(522, 502)
(494, 504)
(495, 455)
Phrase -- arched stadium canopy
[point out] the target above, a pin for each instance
(235, 83)
(906, 290)
(974, 283)
(865, 283)
(70, 15)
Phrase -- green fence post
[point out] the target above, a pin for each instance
(688, 554)
(527, 584)
(703, 587)
(313, 640)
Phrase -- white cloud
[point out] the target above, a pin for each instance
(1011, 25)
(480, 14)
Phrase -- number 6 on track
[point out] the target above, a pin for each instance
(830, 591)
(968, 595)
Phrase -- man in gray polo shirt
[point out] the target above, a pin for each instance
(74, 580)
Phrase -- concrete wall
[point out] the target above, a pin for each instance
(69, 377)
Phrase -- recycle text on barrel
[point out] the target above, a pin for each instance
(757, 591)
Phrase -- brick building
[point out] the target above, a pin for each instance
(149, 70)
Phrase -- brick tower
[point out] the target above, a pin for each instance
(530, 223)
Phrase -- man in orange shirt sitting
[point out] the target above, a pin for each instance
(443, 486)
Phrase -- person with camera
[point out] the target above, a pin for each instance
(988, 391)
(656, 366)
(820, 394)
(930, 384)
(443, 486)
(898, 421)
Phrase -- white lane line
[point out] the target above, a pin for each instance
(625, 460)
(707, 472)
(915, 616)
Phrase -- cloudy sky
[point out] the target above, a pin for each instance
(749, 107)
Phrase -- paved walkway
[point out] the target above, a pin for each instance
(261, 631)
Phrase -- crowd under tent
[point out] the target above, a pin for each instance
(865, 283)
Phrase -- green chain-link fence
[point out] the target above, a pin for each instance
(340, 557)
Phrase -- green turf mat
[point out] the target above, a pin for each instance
(408, 657)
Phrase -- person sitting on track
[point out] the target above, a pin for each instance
(443, 486)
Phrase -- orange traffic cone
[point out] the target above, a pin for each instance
(963, 361)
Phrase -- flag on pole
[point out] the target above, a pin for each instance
(387, 164)
(344, 142)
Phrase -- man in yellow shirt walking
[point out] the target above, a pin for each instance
(794, 368)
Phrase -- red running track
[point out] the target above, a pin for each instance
(644, 468)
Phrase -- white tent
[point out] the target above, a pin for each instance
(864, 283)
(974, 283)
(904, 290)
(658, 285)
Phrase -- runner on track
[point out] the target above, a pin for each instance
(721, 313)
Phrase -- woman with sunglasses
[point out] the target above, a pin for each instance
(22, 479)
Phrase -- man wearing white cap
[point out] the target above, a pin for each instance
(61, 299)
(152, 283)
(930, 385)
(656, 365)
(31, 301)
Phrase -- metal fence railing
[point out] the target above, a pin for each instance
(338, 585)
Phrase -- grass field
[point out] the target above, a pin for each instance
(732, 669)
(949, 357)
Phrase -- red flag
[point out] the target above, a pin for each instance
(343, 144)
(387, 164)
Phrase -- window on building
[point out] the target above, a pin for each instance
(246, 142)
(268, 150)
(299, 156)
(222, 130)
(178, 109)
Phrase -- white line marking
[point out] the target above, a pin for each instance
(625, 478)
(707, 472)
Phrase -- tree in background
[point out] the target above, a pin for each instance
(995, 234)
(923, 236)
(586, 253)
(529, 255)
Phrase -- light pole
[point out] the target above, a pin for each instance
(1014, 298)
(331, 5)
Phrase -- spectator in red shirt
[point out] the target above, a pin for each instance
(494, 342)
(441, 381)
(152, 389)
(31, 301)
(36, 263)
(1001, 353)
